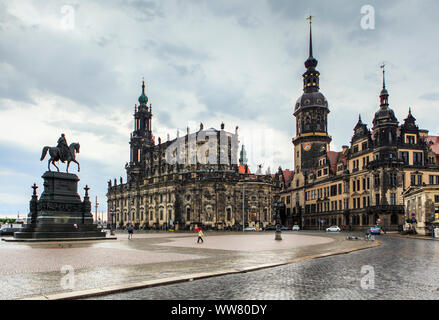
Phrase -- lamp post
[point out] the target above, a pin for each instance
(243, 209)
(276, 206)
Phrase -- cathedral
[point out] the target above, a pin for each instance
(193, 180)
(363, 184)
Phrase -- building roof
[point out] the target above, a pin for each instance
(334, 157)
(288, 176)
(241, 169)
(434, 143)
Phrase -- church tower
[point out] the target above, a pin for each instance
(311, 111)
(142, 137)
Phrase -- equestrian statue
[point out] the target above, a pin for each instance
(62, 152)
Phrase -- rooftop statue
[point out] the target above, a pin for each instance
(62, 152)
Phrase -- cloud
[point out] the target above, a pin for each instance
(432, 96)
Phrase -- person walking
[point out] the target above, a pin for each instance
(130, 232)
(200, 236)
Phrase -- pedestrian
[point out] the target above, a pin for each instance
(130, 232)
(200, 236)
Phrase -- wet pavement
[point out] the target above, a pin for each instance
(28, 270)
(398, 269)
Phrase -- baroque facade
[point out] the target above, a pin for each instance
(363, 184)
(191, 180)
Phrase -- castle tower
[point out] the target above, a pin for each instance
(385, 126)
(311, 111)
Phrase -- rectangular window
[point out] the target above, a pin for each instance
(419, 180)
(364, 146)
(393, 199)
(377, 199)
(430, 179)
(412, 180)
(436, 198)
(392, 179)
(333, 190)
(377, 180)
(404, 156)
(417, 158)
(410, 139)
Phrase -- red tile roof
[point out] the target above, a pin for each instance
(288, 176)
(435, 143)
(333, 158)
(241, 169)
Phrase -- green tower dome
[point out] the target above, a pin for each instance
(143, 99)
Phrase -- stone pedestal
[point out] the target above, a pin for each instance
(277, 235)
(60, 213)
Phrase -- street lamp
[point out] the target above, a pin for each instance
(276, 206)
(243, 204)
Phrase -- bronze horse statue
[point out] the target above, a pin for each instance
(55, 155)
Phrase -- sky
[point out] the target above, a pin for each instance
(76, 67)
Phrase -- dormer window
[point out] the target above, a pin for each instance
(410, 139)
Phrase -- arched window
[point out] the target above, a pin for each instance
(394, 219)
(188, 214)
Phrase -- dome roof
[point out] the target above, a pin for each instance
(311, 99)
(384, 115)
(143, 99)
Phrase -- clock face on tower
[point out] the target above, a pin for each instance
(307, 146)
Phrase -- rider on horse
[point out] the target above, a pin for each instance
(63, 148)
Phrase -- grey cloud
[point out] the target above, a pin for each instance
(432, 96)
(51, 63)
(102, 131)
(167, 50)
(248, 21)
(142, 11)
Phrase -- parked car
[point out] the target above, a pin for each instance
(333, 229)
(283, 228)
(249, 229)
(295, 228)
(8, 231)
(268, 228)
(374, 230)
